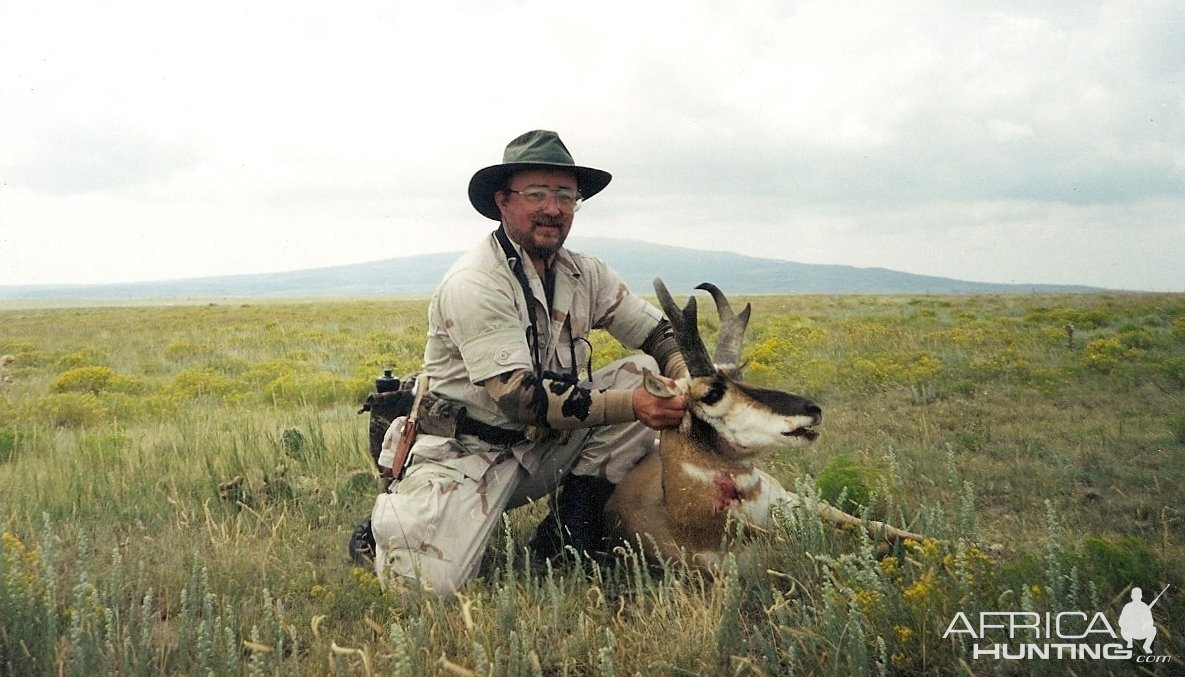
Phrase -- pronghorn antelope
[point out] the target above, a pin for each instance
(682, 499)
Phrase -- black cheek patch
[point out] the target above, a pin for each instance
(715, 392)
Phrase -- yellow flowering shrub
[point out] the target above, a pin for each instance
(1105, 354)
(94, 379)
(204, 382)
(70, 410)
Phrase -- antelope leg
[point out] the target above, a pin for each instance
(875, 528)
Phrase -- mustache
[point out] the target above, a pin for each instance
(547, 220)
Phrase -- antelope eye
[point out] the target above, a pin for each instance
(715, 392)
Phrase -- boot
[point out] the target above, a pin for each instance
(576, 519)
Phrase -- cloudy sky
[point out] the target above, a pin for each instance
(992, 141)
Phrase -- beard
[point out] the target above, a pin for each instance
(545, 247)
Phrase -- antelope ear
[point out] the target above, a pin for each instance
(740, 375)
(654, 386)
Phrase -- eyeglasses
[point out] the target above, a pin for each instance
(568, 199)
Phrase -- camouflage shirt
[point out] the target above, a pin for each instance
(477, 322)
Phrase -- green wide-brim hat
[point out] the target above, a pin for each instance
(539, 149)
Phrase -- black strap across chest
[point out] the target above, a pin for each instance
(520, 274)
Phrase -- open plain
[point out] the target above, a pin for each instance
(178, 483)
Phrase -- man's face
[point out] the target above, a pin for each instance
(540, 228)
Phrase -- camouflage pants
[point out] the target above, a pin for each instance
(434, 525)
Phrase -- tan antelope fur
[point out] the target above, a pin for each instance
(682, 500)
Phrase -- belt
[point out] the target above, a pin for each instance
(488, 433)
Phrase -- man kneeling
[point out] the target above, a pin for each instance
(507, 336)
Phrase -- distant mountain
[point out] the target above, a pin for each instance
(638, 262)
(682, 268)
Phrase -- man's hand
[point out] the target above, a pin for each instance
(659, 412)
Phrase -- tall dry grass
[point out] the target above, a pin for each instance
(178, 484)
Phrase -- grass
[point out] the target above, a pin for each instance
(178, 485)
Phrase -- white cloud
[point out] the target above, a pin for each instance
(146, 140)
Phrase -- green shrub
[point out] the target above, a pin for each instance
(1135, 337)
(71, 410)
(1082, 319)
(103, 445)
(1114, 565)
(844, 474)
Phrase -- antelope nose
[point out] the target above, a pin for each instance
(814, 411)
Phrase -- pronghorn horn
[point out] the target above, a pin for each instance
(732, 326)
(685, 326)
